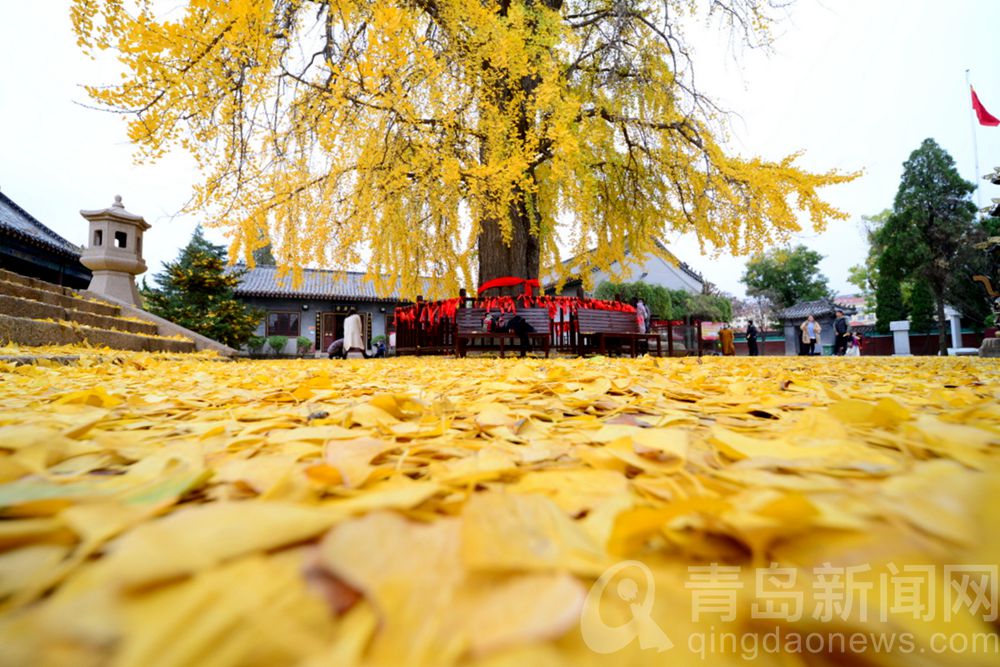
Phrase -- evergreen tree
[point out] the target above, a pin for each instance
(960, 291)
(263, 251)
(932, 222)
(889, 304)
(195, 292)
(263, 256)
(921, 304)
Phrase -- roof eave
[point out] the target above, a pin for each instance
(34, 240)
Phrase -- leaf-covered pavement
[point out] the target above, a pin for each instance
(177, 510)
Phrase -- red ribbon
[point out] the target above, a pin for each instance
(510, 281)
(430, 314)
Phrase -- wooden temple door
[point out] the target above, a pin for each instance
(333, 328)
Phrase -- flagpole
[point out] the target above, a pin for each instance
(975, 146)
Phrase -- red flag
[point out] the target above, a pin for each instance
(984, 116)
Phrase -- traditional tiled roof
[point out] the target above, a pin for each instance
(16, 222)
(818, 308)
(264, 281)
(574, 261)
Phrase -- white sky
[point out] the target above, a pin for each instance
(856, 84)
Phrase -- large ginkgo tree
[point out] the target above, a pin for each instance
(438, 137)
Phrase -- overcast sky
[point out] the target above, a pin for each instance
(855, 84)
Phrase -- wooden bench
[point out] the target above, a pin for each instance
(470, 335)
(607, 329)
(419, 339)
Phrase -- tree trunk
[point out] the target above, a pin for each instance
(519, 259)
(942, 338)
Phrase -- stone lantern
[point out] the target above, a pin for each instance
(114, 252)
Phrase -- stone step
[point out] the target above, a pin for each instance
(30, 332)
(36, 310)
(57, 298)
(27, 281)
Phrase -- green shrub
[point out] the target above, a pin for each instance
(657, 297)
(277, 343)
(255, 344)
(303, 344)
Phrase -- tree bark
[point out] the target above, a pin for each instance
(519, 259)
(939, 301)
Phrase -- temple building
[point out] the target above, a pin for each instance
(29, 248)
(652, 268)
(317, 307)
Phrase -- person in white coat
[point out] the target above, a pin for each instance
(642, 310)
(354, 344)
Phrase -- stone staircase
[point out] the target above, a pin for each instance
(34, 312)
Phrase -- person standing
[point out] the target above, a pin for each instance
(726, 341)
(642, 310)
(841, 334)
(752, 339)
(810, 334)
(354, 344)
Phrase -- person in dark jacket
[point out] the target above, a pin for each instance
(752, 339)
(522, 328)
(336, 349)
(841, 334)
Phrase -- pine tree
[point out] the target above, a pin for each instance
(932, 221)
(196, 292)
(889, 304)
(263, 256)
(921, 303)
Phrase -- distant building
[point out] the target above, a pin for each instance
(29, 248)
(317, 307)
(864, 314)
(650, 269)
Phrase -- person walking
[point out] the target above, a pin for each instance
(841, 334)
(752, 339)
(810, 334)
(354, 344)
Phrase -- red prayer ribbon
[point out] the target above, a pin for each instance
(510, 281)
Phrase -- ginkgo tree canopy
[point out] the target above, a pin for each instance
(429, 137)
